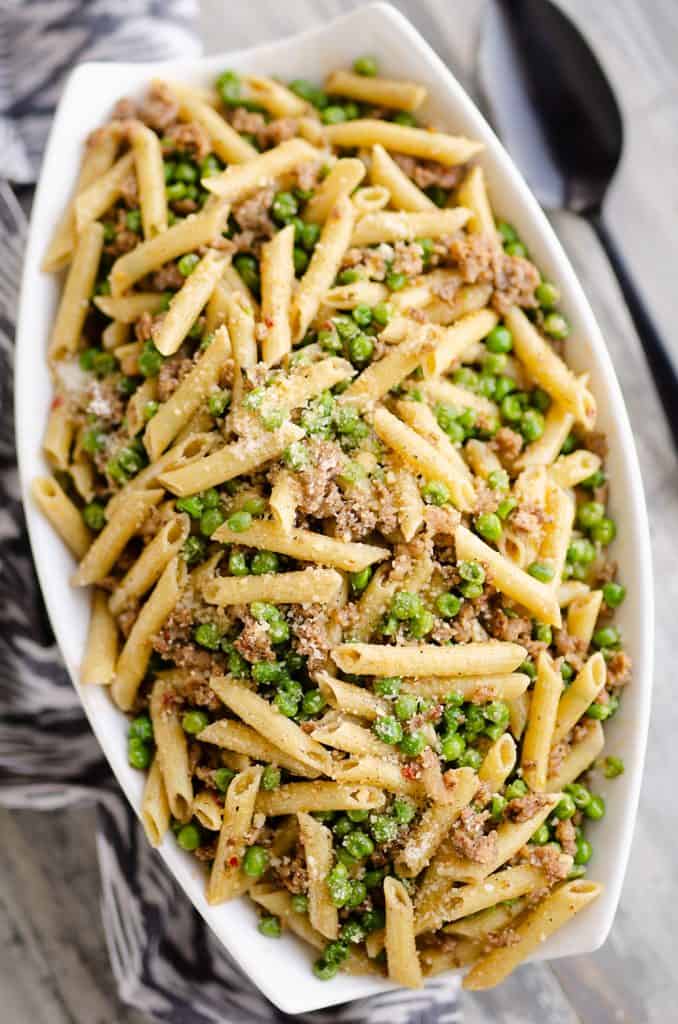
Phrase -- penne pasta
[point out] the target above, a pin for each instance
(240, 179)
(428, 659)
(381, 92)
(541, 721)
(70, 317)
(298, 797)
(305, 545)
(150, 178)
(343, 178)
(225, 877)
(155, 812)
(277, 278)
(387, 226)
(56, 506)
(226, 142)
(109, 544)
(171, 751)
(401, 950)
(309, 586)
(188, 302)
(404, 193)
(446, 149)
(101, 653)
(579, 696)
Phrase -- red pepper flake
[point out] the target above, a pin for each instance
(233, 862)
(57, 401)
(269, 321)
(410, 771)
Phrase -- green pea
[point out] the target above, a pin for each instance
(612, 767)
(366, 66)
(175, 192)
(223, 777)
(210, 498)
(210, 521)
(497, 711)
(505, 507)
(207, 635)
(333, 115)
(565, 807)
(556, 326)
(139, 753)
(300, 259)
(264, 562)
(595, 808)
(541, 836)
(596, 479)
(194, 722)
(452, 747)
(358, 844)
(309, 235)
(435, 492)
(313, 702)
(133, 220)
(515, 789)
(255, 861)
(141, 728)
(604, 532)
(581, 550)
(569, 444)
(613, 594)
(362, 314)
(382, 313)
(239, 521)
(248, 269)
(511, 409)
(389, 686)
(499, 340)
(473, 572)
(150, 360)
(359, 580)
(584, 851)
(532, 425)
(547, 294)
(189, 837)
(373, 878)
(309, 92)
(590, 513)
(406, 604)
(543, 633)
(579, 794)
(324, 971)
(299, 903)
(493, 363)
(279, 632)
(606, 636)
(94, 516)
(192, 504)
(360, 349)
(210, 166)
(422, 624)
(270, 927)
(540, 399)
(405, 118)
(187, 264)
(427, 247)
(507, 232)
(388, 729)
(286, 704)
(395, 282)
(412, 744)
(384, 829)
(438, 194)
(193, 550)
(488, 525)
(541, 571)
(228, 87)
(566, 671)
(471, 759)
(598, 711)
(515, 249)
(340, 892)
(448, 605)
(528, 668)
(497, 806)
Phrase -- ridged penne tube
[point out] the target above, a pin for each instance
(404, 193)
(128, 357)
(186, 236)
(541, 722)
(277, 99)
(235, 459)
(128, 308)
(451, 904)
(378, 378)
(277, 278)
(538, 923)
(519, 707)
(348, 296)
(93, 201)
(463, 333)
(319, 796)
(66, 519)
(317, 842)
(58, 436)
(498, 763)
(439, 389)
(537, 597)
(83, 477)
(225, 876)
(352, 699)
(191, 393)
(542, 452)
(74, 304)
(208, 810)
(151, 563)
(171, 750)
(226, 142)
(491, 687)
(138, 407)
(216, 310)
(456, 473)
(429, 659)
(155, 812)
(579, 696)
(582, 615)
(446, 149)
(347, 735)
(477, 927)
(305, 545)
(570, 470)
(481, 458)
(98, 159)
(368, 770)
(115, 335)
(396, 226)
(135, 655)
(101, 652)
(401, 950)
(424, 457)
(188, 302)
(409, 504)
(306, 382)
(557, 531)
(376, 91)
(267, 720)
(323, 267)
(185, 451)
(580, 757)
(308, 586)
(571, 590)
(233, 282)
(109, 544)
(548, 369)
(511, 837)
(238, 180)
(370, 199)
(344, 177)
(434, 825)
(437, 961)
(284, 499)
(279, 903)
(242, 739)
(150, 178)
(472, 194)
(471, 298)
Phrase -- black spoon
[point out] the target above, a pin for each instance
(555, 110)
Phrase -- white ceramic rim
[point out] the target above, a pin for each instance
(286, 979)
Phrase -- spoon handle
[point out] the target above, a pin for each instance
(656, 354)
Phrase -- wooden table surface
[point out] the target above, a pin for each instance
(53, 965)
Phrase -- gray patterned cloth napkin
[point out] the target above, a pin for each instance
(166, 961)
